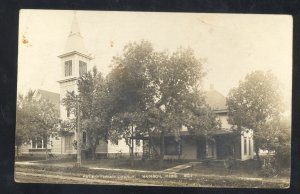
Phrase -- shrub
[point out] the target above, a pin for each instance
(269, 168)
(283, 156)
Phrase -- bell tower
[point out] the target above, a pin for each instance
(75, 61)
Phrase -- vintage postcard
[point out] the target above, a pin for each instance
(154, 99)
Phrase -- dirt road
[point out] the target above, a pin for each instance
(60, 175)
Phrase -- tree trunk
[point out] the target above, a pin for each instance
(46, 153)
(93, 152)
(162, 147)
(132, 155)
(179, 149)
(45, 142)
(257, 153)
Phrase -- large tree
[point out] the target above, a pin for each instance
(130, 91)
(162, 89)
(254, 104)
(94, 107)
(36, 118)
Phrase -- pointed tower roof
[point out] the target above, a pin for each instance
(75, 40)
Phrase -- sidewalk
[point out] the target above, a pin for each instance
(178, 168)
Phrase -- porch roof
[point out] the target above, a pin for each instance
(215, 132)
(187, 133)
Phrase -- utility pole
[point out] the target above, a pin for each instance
(78, 134)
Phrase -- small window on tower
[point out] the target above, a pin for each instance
(68, 68)
(82, 68)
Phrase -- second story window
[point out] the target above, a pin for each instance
(68, 68)
(82, 68)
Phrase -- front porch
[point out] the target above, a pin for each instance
(220, 146)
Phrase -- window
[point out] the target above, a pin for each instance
(82, 68)
(172, 147)
(245, 146)
(68, 68)
(68, 143)
(39, 143)
(250, 147)
(33, 143)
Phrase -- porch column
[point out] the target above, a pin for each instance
(242, 147)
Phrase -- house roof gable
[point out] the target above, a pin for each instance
(52, 97)
(215, 100)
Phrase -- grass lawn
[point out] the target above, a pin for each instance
(247, 168)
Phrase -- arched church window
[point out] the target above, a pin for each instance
(68, 68)
(82, 68)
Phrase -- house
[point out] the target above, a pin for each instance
(220, 145)
(37, 146)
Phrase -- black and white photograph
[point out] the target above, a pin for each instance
(154, 99)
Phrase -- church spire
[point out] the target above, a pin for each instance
(75, 30)
(75, 40)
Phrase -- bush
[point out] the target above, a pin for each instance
(269, 168)
(283, 156)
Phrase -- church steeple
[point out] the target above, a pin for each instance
(75, 40)
(75, 30)
(75, 62)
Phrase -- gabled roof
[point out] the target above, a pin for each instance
(215, 100)
(52, 97)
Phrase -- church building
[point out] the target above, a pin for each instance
(75, 61)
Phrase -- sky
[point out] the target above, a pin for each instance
(231, 45)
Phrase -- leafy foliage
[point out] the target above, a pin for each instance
(255, 101)
(147, 93)
(256, 104)
(36, 118)
(94, 102)
(158, 93)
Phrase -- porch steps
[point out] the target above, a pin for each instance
(178, 168)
